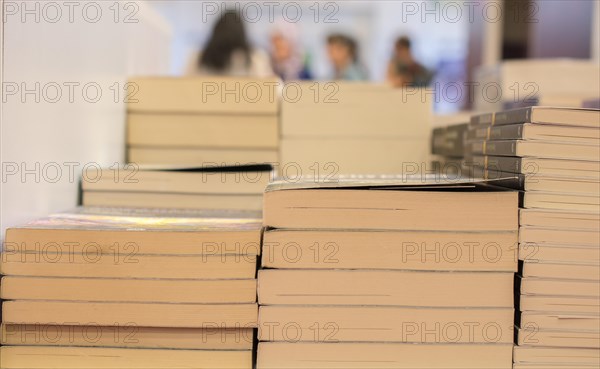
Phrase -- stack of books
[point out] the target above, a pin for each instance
(553, 156)
(197, 121)
(222, 188)
(331, 128)
(387, 273)
(519, 82)
(447, 148)
(117, 288)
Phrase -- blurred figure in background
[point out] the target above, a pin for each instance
(228, 51)
(343, 53)
(404, 70)
(287, 57)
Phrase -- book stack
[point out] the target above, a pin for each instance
(553, 156)
(447, 148)
(222, 188)
(519, 82)
(324, 131)
(116, 288)
(197, 121)
(387, 273)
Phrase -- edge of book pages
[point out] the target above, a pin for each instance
(146, 219)
(387, 182)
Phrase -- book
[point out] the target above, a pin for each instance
(172, 200)
(393, 288)
(277, 355)
(531, 148)
(238, 180)
(340, 110)
(116, 265)
(386, 324)
(559, 253)
(166, 315)
(184, 291)
(205, 131)
(534, 166)
(564, 304)
(131, 232)
(559, 236)
(559, 219)
(534, 182)
(391, 203)
(149, 155)
(562, 287)
(142, 243)
(552, 356)
(334, 156)
(128, 336)
(38, 357)
(405, 250)
(559, 270)
(449, 141)
(207, 95)
(530, 131)
(541, 115)
(560, 321)
(558, 201)
(557, 339)
(210, 187)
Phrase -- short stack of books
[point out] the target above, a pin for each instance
(553, 156)
(223, 188)
(447, 148)
(387, 273)
(332, 128)
(117, 288)
(197, 121)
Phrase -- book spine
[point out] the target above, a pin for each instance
(499, 148)
(506, 164)
(509, 132)
(482, 119)
(512, 117)
(503, 179)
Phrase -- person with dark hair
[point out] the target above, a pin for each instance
(404, 70)
(343, 53)
(228, 51)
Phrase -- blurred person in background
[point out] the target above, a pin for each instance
(229, 53)
(287, 57)
(343, 53)
(404, 70)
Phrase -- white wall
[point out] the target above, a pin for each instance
(53, 49)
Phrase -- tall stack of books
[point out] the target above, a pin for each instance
(116, 288)
(553, 156)
(387, 273)
(223, 188)
(331, 128)
(197, 121)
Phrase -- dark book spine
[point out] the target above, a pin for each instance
(477, 133)
(512, 117)
(508, 164)
(482, 119)
(438, 141)
(508, 132)
(499, 148)
(503, 179)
